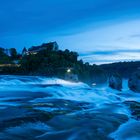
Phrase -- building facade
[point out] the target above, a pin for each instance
(52, 46)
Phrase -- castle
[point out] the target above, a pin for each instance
(51, 46)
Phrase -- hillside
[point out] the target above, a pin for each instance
(48, 60)
(125, 69)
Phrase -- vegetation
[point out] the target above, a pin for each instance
(13, 54)
(54, 62)
(50, 63)
(124, 69)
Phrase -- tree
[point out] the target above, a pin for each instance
(2, 52)
(24, 51)
(13, 53)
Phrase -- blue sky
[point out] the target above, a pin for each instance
(102, 31)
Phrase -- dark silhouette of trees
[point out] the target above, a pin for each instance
(51, 62)
(13, 53)
(124, 69)
(4, 58)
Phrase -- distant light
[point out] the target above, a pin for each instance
(68, 70)
(94, 84)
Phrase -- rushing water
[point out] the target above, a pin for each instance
(39, 108)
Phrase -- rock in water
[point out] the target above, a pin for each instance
(115, 82)
(134, 82)
(71, 77)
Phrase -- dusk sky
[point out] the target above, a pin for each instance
(101, 31)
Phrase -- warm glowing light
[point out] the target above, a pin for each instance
(68, 70)
(9, 65)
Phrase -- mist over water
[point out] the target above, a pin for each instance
(33, 107)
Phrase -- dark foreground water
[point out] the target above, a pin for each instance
(38, 108)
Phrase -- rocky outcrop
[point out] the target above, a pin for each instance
(134, 108)
(71, 77)
(134, 82)
(115, 82)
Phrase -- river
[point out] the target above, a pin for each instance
(40, 108)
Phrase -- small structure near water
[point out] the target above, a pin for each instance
(70, 76)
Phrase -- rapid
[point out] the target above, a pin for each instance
(40, 108)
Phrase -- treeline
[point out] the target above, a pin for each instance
(7, 56)
(124, 69)
(56, 63)
(52, 64)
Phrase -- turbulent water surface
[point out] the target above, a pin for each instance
(39, 108)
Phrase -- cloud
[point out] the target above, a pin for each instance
(135, 36)
(100, 57)
(110, 52)
(98, 26)
(33, 16)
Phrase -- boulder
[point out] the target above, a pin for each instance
(134, 82)
(115, 82)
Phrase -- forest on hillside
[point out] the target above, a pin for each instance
(55, 63)
(51, 63)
